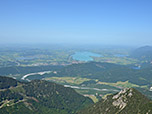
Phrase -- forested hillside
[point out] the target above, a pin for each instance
(143, 53)
(106, 72)
(39, 97)
(127, 101)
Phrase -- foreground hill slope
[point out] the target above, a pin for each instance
(127, 101)
(39, 97)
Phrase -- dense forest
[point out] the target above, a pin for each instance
(39, 97)
(7, 82)
(107, 72)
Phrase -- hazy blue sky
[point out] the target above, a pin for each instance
(122, 22)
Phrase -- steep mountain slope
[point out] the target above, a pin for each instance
(39, 97)
(7, 82)
(127, 101)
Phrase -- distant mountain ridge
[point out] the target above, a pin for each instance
(127, 101)
(143, 53)
(38, 97)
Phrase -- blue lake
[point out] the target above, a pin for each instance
(136, 67)
(85, 56)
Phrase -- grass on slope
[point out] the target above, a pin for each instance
(70, 80)
(120, 84)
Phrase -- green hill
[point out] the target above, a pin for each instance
(143, 53)
(106, 72)
(127, 101)
(39, 97)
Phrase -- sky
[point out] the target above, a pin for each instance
(109, 22)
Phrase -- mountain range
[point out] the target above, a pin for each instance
(42, 97)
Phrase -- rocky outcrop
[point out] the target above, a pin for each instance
(127, 101)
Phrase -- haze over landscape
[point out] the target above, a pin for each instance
(104, 22)
(75, 57)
